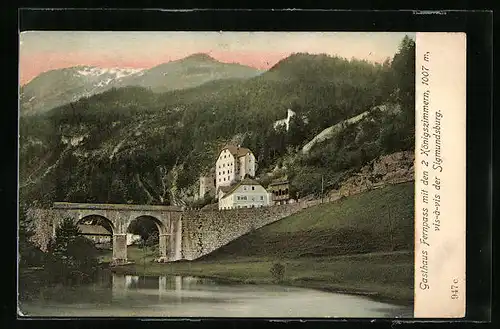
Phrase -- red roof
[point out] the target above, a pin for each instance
(236, 151)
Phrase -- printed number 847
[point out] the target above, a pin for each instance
(454, 289)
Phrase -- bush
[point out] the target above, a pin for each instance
(73, 258)
(152, 240)
(278, 272)
(306, 182)
(206, 200)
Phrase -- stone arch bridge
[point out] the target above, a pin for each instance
(120, 216)
(183, 234)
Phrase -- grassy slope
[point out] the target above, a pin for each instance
(358, 224)
(341, 246)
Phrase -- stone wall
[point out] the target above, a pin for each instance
(206, 231)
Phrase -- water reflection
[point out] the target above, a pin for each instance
(160, 283)
(166, 296)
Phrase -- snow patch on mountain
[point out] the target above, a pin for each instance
(104, 82)
(117, 73)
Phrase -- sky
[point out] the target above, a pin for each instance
(41, 51)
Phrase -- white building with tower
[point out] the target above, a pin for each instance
(233, 164)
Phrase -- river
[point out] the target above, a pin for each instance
(119, 295)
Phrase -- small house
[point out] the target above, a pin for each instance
(280, 191)
(98, 234)
(248, 193)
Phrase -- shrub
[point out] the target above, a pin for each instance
(206, 200)
(73, 258)
(278, 272)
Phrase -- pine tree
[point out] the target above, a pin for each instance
(74, 257)
(403, 66)
(66, 234)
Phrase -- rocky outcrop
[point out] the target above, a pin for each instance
(388, 169)
(332, 131)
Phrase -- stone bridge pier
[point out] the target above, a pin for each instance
(120, 216)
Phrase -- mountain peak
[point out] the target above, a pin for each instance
(200, 57)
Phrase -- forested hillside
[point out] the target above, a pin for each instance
(131, 145)
(61, 86)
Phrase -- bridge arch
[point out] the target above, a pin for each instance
(143, 224)
(152, 219)
(98, 228)
(97, 219)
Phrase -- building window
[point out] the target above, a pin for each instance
(224, 179)
(253, 187)
(219, 179)
(261, 198)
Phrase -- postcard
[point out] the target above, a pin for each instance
(241, 174)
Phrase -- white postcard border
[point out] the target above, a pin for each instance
(440, 175)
